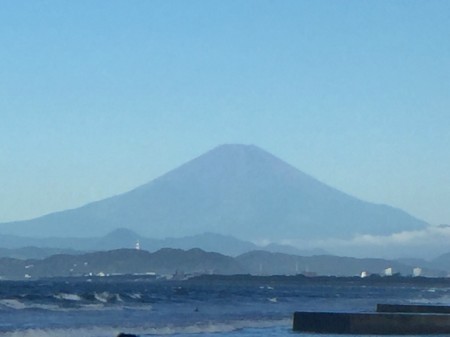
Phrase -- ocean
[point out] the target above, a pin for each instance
(239, 306)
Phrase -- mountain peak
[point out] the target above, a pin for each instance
(236, 152)
(234, 162)
(236, 146)
(239, 151)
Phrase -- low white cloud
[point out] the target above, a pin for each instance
(427, 243)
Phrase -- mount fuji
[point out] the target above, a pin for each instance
(238, 190)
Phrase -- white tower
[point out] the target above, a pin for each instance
(388, 272)
(417, 272)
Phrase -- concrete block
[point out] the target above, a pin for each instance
(416, 308)
(371, 323)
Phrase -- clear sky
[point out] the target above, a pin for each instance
(98, 97)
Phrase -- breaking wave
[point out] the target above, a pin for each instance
(107, 331)
(101, 308)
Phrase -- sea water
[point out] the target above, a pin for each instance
(202, 307)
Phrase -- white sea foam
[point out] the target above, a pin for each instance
(210, 328)
(12, 304)
(102, 297)
(51, 307)
(67, 297)
(136, 296)
(92, 306)
(85, 332)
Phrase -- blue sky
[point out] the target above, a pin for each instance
(98, 97)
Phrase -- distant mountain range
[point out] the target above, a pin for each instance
(196, 261)
(25, 247)
(236, 190)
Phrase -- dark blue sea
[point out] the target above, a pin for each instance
(199, 307)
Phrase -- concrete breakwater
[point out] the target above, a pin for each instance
(414, 308)
(388, 320)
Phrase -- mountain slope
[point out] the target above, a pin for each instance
(25, 247)
(123, 261)
(234, 190)
(196, 261)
